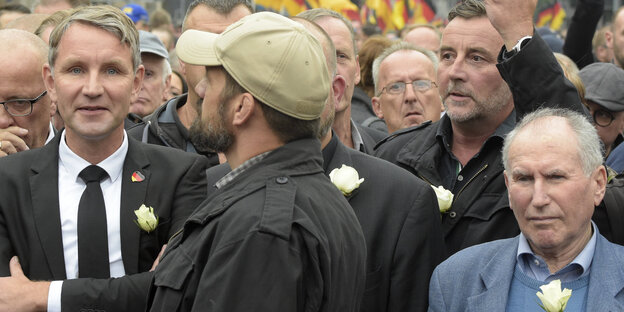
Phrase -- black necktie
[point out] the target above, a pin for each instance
(92, 233)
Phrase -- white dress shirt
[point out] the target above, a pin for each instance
(70, 188)
(50, 134)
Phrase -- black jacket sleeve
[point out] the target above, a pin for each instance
(578, 42)
(536, 79)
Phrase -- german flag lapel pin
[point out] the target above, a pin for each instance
(137, 177)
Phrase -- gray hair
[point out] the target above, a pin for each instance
(400, 46)
(468, 9)
(316, 14)
(105, 17)
(589, 145)
(223, 7)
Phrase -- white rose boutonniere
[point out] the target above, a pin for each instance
(553, 298)
(346, 179)
(445, 198)
(146, 219)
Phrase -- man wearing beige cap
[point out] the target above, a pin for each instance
(276, 235)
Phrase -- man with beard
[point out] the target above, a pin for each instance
(275, 217)
(461, 152)
(169, 124)
(397, 211)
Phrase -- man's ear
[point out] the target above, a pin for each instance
(339, 85)
(48, 81)
(182, 68)
(244, 107)
(599, 177)
(137, 82)
(376, 101)
(609, 39)
(165, 91)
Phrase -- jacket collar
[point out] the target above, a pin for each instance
(605, 282)
(45, 203)
(299, 157)
(336, 154)
(496, 277)
(606, 277)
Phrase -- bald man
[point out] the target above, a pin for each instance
(27, 109)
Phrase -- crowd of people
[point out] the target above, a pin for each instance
(259, 162)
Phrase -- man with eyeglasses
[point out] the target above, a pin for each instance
(27, 109)
(399, 105)
(604, 94)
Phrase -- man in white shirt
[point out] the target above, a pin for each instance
(94, 73)
(27, 108)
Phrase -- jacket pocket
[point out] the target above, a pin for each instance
(169, 279)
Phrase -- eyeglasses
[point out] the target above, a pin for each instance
(602, 117)
(21, 107)
(399, 86)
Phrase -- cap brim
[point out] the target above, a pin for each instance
(154, 51)
(197, 48)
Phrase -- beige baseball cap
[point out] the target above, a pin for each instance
(274, 58)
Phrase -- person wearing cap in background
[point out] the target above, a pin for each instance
(155, 86)
(604, 94)
(138, 15)
(169, 124)
(275, 218)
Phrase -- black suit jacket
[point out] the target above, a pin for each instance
(400, 219)
(401, 223)
(30, 226)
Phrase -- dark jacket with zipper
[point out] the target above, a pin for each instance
(278, 237)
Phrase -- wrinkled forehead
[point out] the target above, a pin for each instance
(470, 34)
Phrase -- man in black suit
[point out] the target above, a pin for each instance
(94, 72)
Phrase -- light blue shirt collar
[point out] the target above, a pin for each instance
(535, 267)
(113, 164)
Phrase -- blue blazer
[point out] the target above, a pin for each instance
(478, 278)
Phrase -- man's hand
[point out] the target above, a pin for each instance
(18, 293)
(12, 140)
(513, 19)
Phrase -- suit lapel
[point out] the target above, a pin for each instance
(341, 157)
(606, 276)
(132, 197)
(496, 277)
(45, 204)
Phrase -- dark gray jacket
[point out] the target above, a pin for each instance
(279, 237)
